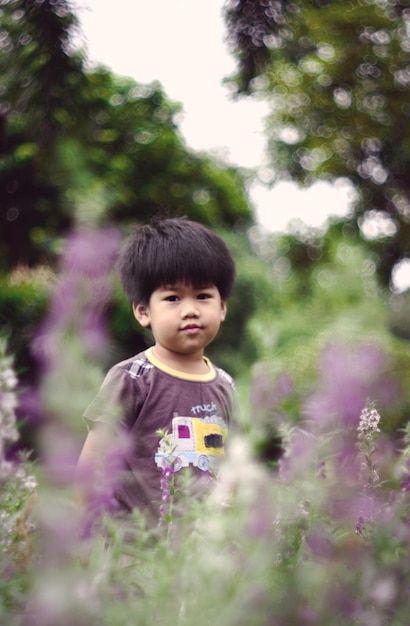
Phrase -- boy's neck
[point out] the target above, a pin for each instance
(185, 363)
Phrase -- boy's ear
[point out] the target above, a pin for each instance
(141, 314)
(224, 310)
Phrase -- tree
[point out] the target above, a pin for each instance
(39, 75)
(80, 145)
(337, 75)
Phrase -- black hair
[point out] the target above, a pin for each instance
(173, 250)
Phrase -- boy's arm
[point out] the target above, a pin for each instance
(95, 447)
(103, 417)
(86, 467)
(88, 470)
(92, 463)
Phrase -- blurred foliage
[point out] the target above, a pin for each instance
(325, 291)
(24, 297)
(336, 74)
(235, 347)
(399, 318)
(321, 540)
(86, 146)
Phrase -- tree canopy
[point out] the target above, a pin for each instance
(337, 76)
(84, 145)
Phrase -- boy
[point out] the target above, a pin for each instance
(177, 275)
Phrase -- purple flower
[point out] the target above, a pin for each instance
(308, 615)
(90, 252)
(98, 485)
(405, 484)
(93, 333)
(369, 422)
(348, 376)
(346, 459)
(300, 455)
(168, 486)
(321, 469)
(351, 507)
(359, 525)
(319, 543)
(267, 393)
(80, 295)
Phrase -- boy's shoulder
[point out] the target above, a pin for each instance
(139, 365)
(135, 366)
(223, 375)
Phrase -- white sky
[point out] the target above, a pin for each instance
(181, 44)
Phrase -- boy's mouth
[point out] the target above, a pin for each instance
(191, 328)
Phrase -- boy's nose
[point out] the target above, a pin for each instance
(189, 309)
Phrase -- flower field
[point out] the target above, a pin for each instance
(318, 533)
(320, 537)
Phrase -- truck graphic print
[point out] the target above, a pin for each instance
(193, 440)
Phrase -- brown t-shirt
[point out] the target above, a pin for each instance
(140, 396)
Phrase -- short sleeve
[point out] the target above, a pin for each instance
(231, 399)
(115, 403)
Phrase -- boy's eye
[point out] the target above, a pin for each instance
(204, 296)
(171, 298)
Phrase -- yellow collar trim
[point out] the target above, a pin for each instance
(177, 374)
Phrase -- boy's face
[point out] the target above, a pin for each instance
(183, 320)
